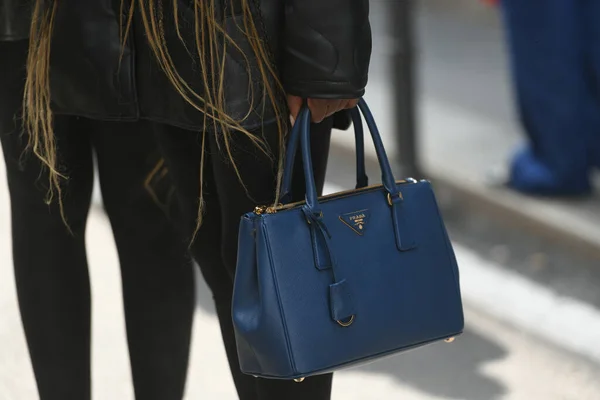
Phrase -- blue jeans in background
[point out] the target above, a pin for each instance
(555, 48)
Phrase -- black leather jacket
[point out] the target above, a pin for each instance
(321, 48)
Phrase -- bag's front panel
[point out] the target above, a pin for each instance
(402, 298)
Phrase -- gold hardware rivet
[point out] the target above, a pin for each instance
(450, 340)
(299, 380)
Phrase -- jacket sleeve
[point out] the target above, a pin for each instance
(327, 48)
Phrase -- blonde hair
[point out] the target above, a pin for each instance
(211, 42)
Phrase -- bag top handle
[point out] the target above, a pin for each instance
(362, 180)
(388, 180)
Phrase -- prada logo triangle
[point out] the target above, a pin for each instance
(357, 221)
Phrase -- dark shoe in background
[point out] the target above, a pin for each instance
(531, 176)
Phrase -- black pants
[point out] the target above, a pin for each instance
(51, 267)
(215, 246)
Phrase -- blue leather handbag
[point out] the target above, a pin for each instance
(343, 279)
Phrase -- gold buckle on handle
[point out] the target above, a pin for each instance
(389, 198)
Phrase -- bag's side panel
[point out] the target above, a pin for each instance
(451, 253)
(246, 300)
(260, 333)
(454, 299)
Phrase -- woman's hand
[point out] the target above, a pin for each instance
(319, 108)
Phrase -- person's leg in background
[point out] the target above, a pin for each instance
(156, 270)
(50, 264)
(215, 247)
(592, 25)
(547, 40)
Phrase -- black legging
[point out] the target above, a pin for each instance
(215, 247)
(50, 265)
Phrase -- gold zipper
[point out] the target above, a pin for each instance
(260, 210)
